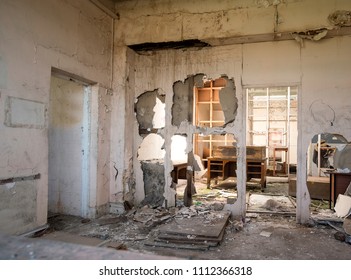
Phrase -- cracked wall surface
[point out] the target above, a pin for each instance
(152, 151)
(247, 39)
(72, 36)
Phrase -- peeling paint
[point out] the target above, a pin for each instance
(182, 109)
(340, 18)
(229, 102)
(266, 3)
(313, 35)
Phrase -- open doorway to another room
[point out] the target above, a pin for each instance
(328, 170)
(213, 148)
(69, 146)
(272, 126)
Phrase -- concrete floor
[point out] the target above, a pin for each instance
(262, 236)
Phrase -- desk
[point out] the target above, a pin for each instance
(338, 184)
(178, 166)
(226, 166)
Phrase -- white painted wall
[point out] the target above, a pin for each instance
(77, 37)
(66, 147)
(74, 36)
(320, 69)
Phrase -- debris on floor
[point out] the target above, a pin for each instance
(274, 204)
(193, 229)
(204, 230)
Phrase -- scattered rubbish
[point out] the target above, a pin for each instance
(116, 245)
(85, 221)
(204, 230)
(272, 205)
(108, 221)
(340, 236)
(265, 233)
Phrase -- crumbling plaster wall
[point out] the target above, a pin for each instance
(165, 20)
(161, 70)
(74, 36)
(319, 68)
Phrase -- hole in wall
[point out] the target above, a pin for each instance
(151, 148)
(150, 112)
(221, 183)
(215, 102)
(327, 152)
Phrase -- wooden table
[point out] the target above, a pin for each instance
(178, 166)
(225, 167)
(338, 184)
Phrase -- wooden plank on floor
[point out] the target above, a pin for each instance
(188, 241)
(189, 238)
(176, 246)
(201, 226)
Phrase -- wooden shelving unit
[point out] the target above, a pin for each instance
(208, 113)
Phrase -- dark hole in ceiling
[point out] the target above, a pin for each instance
(169, 45)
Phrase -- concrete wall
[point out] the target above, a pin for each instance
(267, 56)
(74, 36)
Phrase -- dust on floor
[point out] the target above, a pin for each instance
(269, 230)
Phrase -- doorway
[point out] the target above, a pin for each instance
(272, 122)
(69, 143)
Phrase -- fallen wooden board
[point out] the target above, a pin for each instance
(176, 246)
(184, 238)
(189, 241)
(190, 238)
(198, 225)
